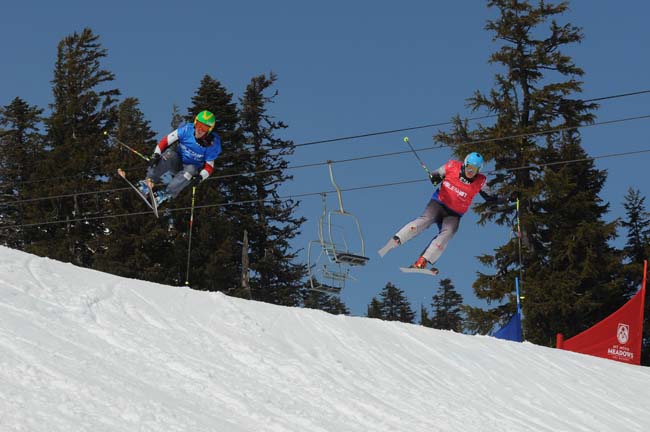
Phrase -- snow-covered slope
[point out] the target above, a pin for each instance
(87, 351)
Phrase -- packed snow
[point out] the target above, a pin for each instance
(82, 350)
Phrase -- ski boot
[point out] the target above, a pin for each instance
(422, 263)
(143, 187)
(161, 197)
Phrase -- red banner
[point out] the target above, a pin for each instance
(617, 337)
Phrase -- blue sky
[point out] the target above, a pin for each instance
(346, 68)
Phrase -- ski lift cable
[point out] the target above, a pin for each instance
(309, 194)
(359, 158)
(635, 93)
(370, 134)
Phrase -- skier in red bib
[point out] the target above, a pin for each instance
(459, 184)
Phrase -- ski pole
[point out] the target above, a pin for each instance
(518, 222)
(520, 295)
(132, 149)
(406, 140)
(189, 244)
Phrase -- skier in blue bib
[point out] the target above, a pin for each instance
(190, 162)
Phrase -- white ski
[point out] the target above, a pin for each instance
(152, 197)
(152, 204)
(392, 243)
(426, 271)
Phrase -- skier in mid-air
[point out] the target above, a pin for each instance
(190, 162)
(459, 184)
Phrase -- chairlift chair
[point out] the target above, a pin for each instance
(343, 256)
(329, 280)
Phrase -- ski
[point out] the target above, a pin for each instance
(426, 271)
(391, 244)
(154, 203)
(151, 204)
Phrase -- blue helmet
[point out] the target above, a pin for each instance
(474, 159)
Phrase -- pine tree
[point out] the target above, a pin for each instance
(177, 117)
(572, 274)
(269, 219)
(325, 302)
(21, 146)
(83, 108)
(446, 304)
(579, 280)
(481, 321)
(425, 321)
(637, 225)
(374, 309)
(392, 306)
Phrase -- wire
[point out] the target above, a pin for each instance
(308, 194)
(451, 122)
(585, 159)
(359, 158)
(389, 131)
(365, 135)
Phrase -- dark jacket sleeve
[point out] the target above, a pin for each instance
(491, 197)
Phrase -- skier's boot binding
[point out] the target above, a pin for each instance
(161, 197)
(421, 263)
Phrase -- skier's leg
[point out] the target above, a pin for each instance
(448, 228)
(169, 163)
(432, 213)
(181, 180)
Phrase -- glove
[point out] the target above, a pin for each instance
(196, 180)
(435, 178)
(154, 160)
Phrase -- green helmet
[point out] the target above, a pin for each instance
(207, 118)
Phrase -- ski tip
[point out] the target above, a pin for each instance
(121, 172)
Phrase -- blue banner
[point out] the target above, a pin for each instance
(511, 331)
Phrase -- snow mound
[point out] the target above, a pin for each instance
(82, 350)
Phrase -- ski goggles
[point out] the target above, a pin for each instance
(471, 169)
(202, 128)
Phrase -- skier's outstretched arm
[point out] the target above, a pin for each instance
(167, 140)
(493, 198)
(164, 143)
(208, 167)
